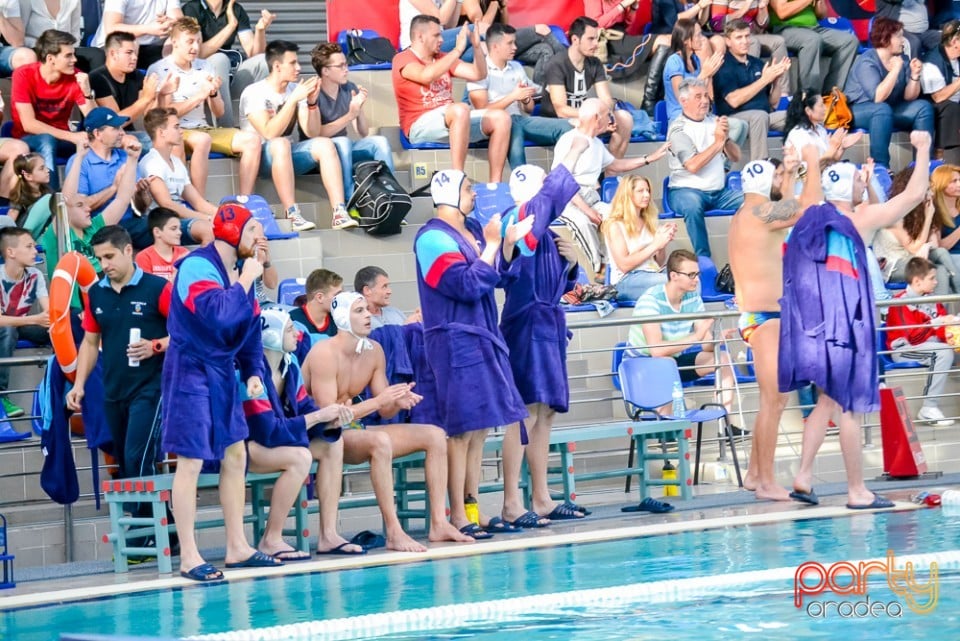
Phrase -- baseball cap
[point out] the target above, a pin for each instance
(757, 177)
(103, 117)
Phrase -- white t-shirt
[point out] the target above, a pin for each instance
(175, 177)
(139, 12)
(587, 170)
(37, 19)
(932, 80)
(799, 137)
(260, 96)
(688, 138)
(500, 82)
(634, 244)
(190, 81)
(407, 13)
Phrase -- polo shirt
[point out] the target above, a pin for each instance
(327, 328)
(96, 174)
(501, 82)
(211, 24)
(388, 316)
(733, 75)
(142, 303)
(654, 302)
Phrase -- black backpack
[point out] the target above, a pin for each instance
(378, 203)
(368, 51)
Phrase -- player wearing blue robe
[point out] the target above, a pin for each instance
(533, 325)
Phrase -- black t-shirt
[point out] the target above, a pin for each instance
(560, 71)
(125, 93)
(211, 24)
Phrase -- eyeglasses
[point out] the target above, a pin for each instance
(342, 65)
(690, 275)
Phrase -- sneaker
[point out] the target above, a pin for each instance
(934, 416)
(12, 409)
(341, 219)
(298, 222)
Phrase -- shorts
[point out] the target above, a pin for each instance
(750, 321)
(303, 160)
(687, 359)
(432, 126)
(221, 139)
(185, 237)
(6, 60)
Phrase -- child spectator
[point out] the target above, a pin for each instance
(313, 310)
(159, 259)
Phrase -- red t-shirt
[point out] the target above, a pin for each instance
(52, 104)
(414, 99)
(153, 263)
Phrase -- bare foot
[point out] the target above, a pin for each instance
(335, 542)
(772, 493)
(240, 555)
(401, 542)
(750, 482)
(445, 531)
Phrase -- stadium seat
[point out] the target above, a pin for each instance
(560, 35)
(289, 289)
(608, 188)
(708, 282)
(733, 183)
(363, 33)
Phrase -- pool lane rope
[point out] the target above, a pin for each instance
(523, 608)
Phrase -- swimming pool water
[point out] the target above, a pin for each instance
(329, 595)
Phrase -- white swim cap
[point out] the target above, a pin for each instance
(445, 187)
(837, 182)
(340, 313)
(272, 321)
(525, 182)
(757, 177)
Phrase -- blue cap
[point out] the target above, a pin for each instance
(103, 117)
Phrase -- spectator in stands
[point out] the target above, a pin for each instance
(945, 186)
(37, 17)
(586, 211)
(883, 87)
(374, 284)
(196, 86)
(222, 23)
(341, 113)
(342, 368)
(12, 53)
(507, 87)
(32, 183)
(44, 95)
(571, 74)
(101, 172)
(423, 85)
(535, 45)
(916, 23)
(160, 258)
(124, 299)
(121, 87)
(941, 84)
(686, 40)
(699, 142)
(804, 126)
(928, 342)
(24, 305)
(756, 14)
(272, 109)
(750, 89)
(447, 14)
(797, 22)
(168, 180)
(151, 21)
(635, 239)
(665, 15)
(10, 150)
(313, 312)
(680, 294)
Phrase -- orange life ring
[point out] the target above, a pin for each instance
(73, 268)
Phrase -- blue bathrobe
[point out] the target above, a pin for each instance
(468, 356)
(533, 325)
(827, 333)
(214, 330)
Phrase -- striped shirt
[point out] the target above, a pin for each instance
(654, 303)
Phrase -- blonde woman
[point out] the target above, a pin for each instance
(945, 186)
(636, 240)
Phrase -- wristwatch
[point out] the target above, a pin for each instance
(157, 346)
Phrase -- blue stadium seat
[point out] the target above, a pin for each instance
(289, 289)
(708, 282)
(843, 24)
(660, 117)
(560, 35)
(608, 188)
(734, 183)
(363, 33)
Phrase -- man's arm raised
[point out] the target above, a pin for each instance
(885, 214)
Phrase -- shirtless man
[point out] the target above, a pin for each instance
(844, 186)
(757, 233)
(339, 369)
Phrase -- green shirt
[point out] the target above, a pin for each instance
(52, 250)
(654, 302)
(807, 17)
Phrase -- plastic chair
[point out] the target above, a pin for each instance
(886, 361)
(608, 188)
(342, 40)
(648, 385)
(733, 183)
(289, 289)
(6, 581)
(708, 282)
(560, 35)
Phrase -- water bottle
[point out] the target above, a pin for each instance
(472, 509)
(670, 474)
(679, 408)
(134, 339)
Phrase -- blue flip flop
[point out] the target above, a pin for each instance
(203, 573)
(565, 512)
(477, 532)
(257, 560)
(578, 508)
(649, 505)
(810, 497)
(879, 503)
(369, 540)
(496, 525)
(341, 551)
(529, 520)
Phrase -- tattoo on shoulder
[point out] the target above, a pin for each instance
(779, 211)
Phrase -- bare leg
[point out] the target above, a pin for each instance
(199, 143)
(331, 172)
(294, 465)
(513, 507)
(496, 126)
(248, 146)
(852, 449)
(474, 468)
(185, 510)
(456, 477)
(813, 434)
(329, 457)
(457, 117)
(765, 341)
(233, 469)
(538, 453)
(281, 170)
(706, 365)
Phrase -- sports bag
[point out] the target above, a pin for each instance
(368, 51)
(379, 204)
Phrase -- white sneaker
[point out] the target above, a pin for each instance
(341, 219)
(935, 416)
(297, 221)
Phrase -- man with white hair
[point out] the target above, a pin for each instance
(832, 345)
(535, 328)
(586, 211)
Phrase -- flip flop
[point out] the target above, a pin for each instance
(496, 525)
(529, 520)
(340, 551)
(477, 532)
(369, 540)
(257, 560)
(879, 503)
(564, 512)
(291, 556)
(649, 505)
(805, 497)
(203, 573)
(578, 508)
